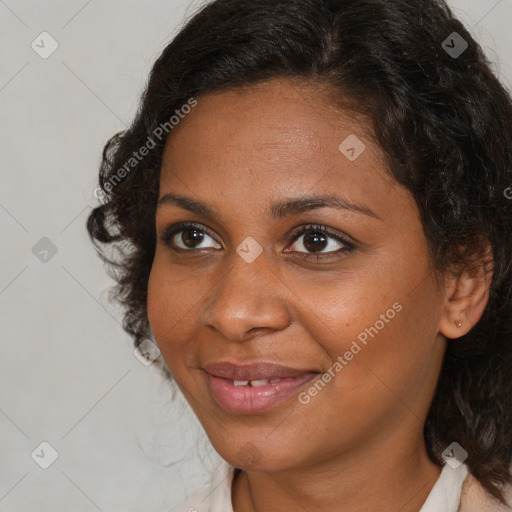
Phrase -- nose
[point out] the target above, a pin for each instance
(249, 298)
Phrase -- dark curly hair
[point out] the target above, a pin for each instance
(443, 121)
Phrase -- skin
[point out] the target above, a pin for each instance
(358, 444)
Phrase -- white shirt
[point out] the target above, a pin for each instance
(443, 497)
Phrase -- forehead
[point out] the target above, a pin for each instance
(279, 138)
(278, 116)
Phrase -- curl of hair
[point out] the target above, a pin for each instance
(444, 124)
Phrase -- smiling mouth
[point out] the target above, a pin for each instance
(249, 389)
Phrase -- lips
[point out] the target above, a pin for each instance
(252, 388)
(253, 371)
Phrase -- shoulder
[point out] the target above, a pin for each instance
(475, 498)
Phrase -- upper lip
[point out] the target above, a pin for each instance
(253, 371)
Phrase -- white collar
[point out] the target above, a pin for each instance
(445, 495)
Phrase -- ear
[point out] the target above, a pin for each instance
(466, 295)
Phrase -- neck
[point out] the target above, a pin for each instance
(401, 481)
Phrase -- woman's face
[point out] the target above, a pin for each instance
(306, 263)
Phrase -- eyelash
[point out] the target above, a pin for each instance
(166, 239)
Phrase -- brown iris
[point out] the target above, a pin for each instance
(315, 241)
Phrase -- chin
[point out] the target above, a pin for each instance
(257, 455)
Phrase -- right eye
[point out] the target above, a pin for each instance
(188, 236)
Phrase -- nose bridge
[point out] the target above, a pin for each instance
(248, 296)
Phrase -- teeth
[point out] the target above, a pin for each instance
(258, 383)
(255, 383)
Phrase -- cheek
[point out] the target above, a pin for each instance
(337, 309)
(160, 297)
(379, 321)
(378, 374)
(172, 304)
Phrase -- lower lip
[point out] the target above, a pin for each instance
(248, 399)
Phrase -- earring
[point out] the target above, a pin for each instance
(459, 324)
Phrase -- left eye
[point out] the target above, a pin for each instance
(186, 237)
(318, 239)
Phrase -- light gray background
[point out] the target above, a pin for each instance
(68, 375)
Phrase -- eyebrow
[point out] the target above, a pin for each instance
(278, 210)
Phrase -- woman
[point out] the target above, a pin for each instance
(312, 210)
